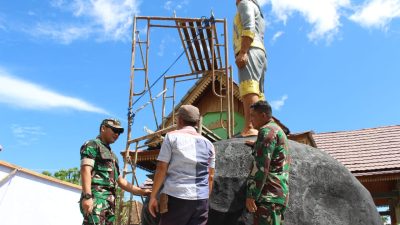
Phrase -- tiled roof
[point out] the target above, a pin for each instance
(364, 152)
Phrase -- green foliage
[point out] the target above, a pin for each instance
(385, 219)
(124, 213)
(72, 175)
(47, 173)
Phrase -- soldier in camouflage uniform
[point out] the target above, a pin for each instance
(100, 176)
(267, 185)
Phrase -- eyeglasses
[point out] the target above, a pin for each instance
(115, 130)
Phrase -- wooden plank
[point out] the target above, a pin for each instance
(382, 195)
(209, 36)
(195, 39)
(204, 45)
(183, 45)
(135, 213)
(217, 44)
(189, 46)
(160, 132)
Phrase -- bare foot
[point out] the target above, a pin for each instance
(250, 132)
(250, 143)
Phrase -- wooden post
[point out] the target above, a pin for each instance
(200, 125)
(397, 214)
(394, 206)
(397, 204)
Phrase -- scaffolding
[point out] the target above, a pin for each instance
(206, 55)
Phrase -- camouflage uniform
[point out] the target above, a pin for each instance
(105, 174)
(268, 182)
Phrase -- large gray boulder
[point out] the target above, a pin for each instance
(322, 190)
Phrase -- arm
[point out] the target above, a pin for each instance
(211, 173)
(88, 155)
(126, 186)
(262, 160)
(159, 178)
(163, 158)
(87, 204)
(247, 17)
(211, 169)
(242, 58)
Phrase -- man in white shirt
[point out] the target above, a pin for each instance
(186, 168)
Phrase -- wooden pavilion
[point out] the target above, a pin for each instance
(213, 123)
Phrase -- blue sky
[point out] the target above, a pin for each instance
(64, 66)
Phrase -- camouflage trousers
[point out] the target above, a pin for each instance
(269, 214)
(103, 213)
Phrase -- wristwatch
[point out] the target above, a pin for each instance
(87, 196)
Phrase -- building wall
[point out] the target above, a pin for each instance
(212, 103)
(28, 199)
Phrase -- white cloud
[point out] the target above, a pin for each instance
(25, 135)
(31, 13)
(105, 19)
(173, 5)
(63, 33)
(168, 5)
(161, 48)
(278, 104)
(276, 36)
(263, 2)
(165, 42)
(2, 23)
(114, 16)
(324, 15)
(24, 94)
(26, 131)
(57, 3)
(377, 13)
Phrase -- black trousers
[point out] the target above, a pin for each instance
(185, 212)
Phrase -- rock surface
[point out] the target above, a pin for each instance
(322, 191)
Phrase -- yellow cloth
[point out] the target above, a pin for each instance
(237, 38)
(250, 87)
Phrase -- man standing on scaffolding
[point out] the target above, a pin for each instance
(248, 43)
(186, 168)
(100, 176)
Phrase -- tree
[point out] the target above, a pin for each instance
(71, 175)
(385, 219)
(121, 214)
(47, 173)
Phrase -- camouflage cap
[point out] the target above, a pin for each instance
(113, 123)
(189, 113)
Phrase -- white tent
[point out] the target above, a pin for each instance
(27, 197)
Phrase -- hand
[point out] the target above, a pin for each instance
(146, 192)
(251, 205)
(250, 143)
(241, 60)
(153, 206)
(87, 206)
